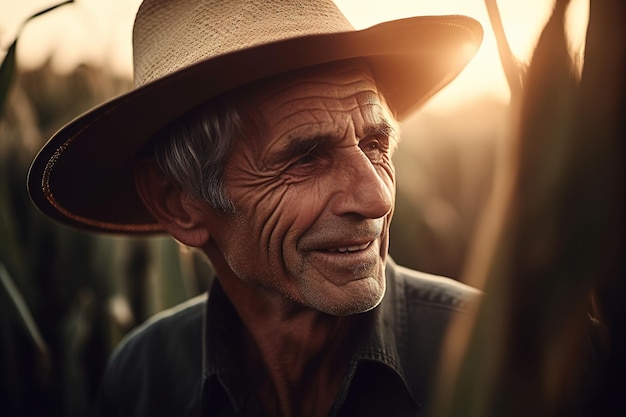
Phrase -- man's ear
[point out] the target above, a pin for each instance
(178, 213)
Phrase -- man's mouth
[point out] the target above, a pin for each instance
(349, 249)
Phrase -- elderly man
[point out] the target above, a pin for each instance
(262, 134)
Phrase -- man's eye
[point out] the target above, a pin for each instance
(374, 149)
(305, 160)
(306, 155)
(373, 145)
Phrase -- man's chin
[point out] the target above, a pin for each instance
(356, 297)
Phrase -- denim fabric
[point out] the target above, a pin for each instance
(184, 362)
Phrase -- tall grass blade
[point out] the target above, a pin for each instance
(7, 68)
(15, 299)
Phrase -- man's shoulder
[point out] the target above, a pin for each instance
(177, 321)
(166, 333)
(422, 307)
(430, 291)
(167, 347)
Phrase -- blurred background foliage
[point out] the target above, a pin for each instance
(549, 337)
(82, 292)
(86, 291)
(67, 297)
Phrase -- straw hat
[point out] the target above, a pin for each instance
(189, 51)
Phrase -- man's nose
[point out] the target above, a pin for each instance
(363, 189)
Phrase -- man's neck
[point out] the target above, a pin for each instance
(296, 357)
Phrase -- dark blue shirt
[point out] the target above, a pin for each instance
(185, 362)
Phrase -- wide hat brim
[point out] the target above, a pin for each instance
(83, 176)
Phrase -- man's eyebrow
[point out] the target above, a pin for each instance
(383, 128)
(299, 146)
(304, 145)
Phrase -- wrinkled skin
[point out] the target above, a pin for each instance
(313, 186)
(311, 178)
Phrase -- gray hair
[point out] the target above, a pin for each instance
(192, 151)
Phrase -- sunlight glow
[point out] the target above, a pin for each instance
(99, 33)
(522, 20)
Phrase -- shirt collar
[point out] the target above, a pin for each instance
(385, 341)
(221, 366)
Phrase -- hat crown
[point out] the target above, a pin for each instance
(172, 34)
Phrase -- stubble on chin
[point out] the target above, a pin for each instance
(359, 296)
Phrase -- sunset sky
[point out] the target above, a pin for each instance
(98, 31)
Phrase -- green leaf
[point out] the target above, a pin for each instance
(15, 299)
(7, 69)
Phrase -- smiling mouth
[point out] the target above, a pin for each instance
(349, 249)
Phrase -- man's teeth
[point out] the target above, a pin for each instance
(347, 249)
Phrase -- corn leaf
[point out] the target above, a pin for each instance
(7, 68)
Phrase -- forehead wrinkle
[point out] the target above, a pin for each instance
(324, 114)
(319, 119)
(272, 99)
(305, 100)
(310, 130)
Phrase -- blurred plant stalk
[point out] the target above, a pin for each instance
(551, 241)
(13, 296)
(66, 297)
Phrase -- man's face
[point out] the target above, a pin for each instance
(314, 187)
